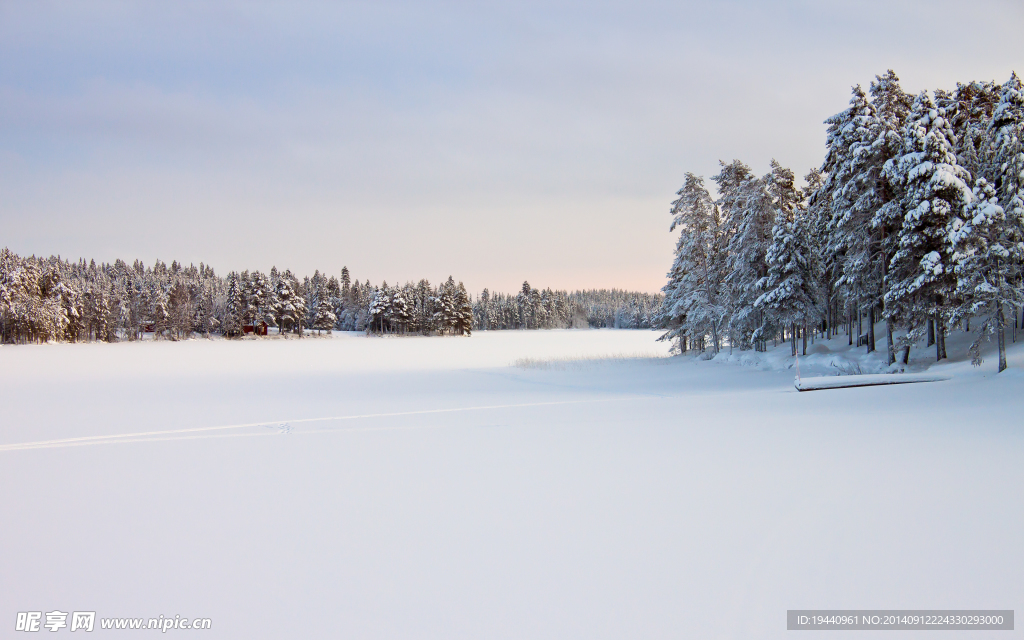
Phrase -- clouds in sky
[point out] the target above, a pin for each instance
(496, 142)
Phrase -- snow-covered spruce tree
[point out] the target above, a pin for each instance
(324, 318)
(445, 307)
(969, 110)
(892, 107)
(158, 315)
(790, 289)
(987, 249)
(205, 319)
(249, 310)
(378, 310)
(523, 298)
(180, 307)
(861, 231)
(134, 287)
(309, 290)
(1007, 135)
(482, 310)
(818, 218)
(692, 296)
(463, 321)
(231, 324)
(347, 308)
(730, 182)
(265, 299)
(934, 191)
(423, 307)
(290, 308)
(336, 301)
(400, 311)
(751, 220)
(851, 192)
(362, 294)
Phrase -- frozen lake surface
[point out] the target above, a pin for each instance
(546, 484)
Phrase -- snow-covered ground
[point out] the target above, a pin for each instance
(551, 484)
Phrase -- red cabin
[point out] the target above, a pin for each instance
(260, 329)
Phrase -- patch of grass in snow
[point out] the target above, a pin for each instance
(584, 361)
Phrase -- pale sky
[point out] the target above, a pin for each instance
(495, 142)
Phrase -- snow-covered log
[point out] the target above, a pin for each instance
(843, 382)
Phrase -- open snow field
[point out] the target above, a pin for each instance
(454, 495)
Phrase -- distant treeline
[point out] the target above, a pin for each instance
(546, 309)
(51, 299)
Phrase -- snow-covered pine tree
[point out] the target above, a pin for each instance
(337, 303)
(730, 182)
(361, 295)
(204, 321)
(1007, 135)
(525, 300)
(158, 314)
(891, 109)
(987, 249)
(423, 309)
(268, 300)
(234, 307)
(790, 289)
(818, 219)
(482, 310)
(249, 302)
(463, 321)
(693, 295)
(400, 310)
(969, 110)
(934, 191)
(378, 309)
(445, 309)
(324, 318)
(851, 192)
(310, 288)
(290, 309)
(346, 280)
(751, 216)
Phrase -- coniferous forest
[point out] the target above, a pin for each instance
(914, 222)
(50, 299)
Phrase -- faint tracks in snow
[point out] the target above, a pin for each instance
(278, 427)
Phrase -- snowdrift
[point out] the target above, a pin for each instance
(871, 380)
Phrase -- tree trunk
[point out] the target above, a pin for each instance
(940, 339)
(805, 338)
(906, 354)
(1001, 338)
(931, 332)
(871, 328)
(890, 348)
